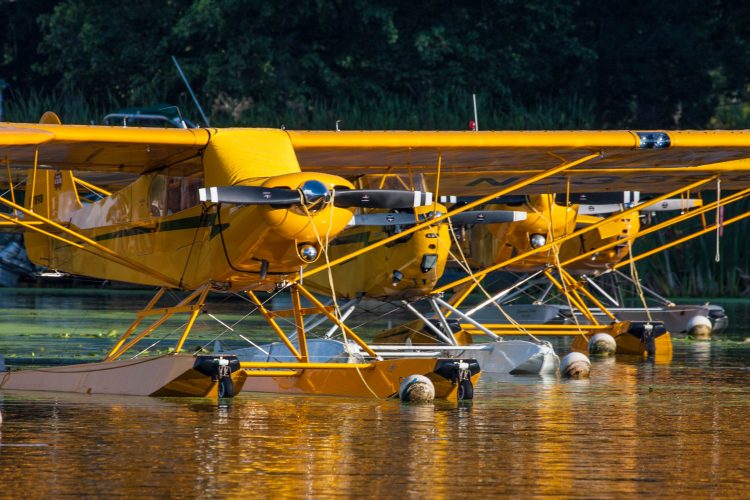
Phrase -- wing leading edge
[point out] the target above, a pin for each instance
(483, 162)
(475, 162)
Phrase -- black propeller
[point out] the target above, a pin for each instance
(381, 198)
(671, 204)
(511, 199)
(488, 217)
(312, 192)
(250, 195)
(616, 197)
(464, 218)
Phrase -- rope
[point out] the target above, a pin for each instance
(719, 219)
(192, 244)
(337, 311)
(637, 281)
(556, 255)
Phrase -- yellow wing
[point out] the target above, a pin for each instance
(100, 149)
(482, 162)
(470, 162)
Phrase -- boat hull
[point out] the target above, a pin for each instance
(168, 375)
(516, 357)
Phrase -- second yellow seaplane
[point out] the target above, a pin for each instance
(492, 165)
(400, 277)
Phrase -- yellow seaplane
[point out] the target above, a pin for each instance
(572, 264)
(404, 272)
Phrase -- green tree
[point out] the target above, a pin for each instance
(655, 62)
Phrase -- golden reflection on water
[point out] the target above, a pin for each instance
(633, 428)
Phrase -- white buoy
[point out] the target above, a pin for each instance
(602, 345)
(416, 388)
(575, 365)
(699, 327)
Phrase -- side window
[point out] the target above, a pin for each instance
(190, 187)
(169, 194)
(157, 194)
(182, 193)
(174, 194)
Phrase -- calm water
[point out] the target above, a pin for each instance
(635, 427)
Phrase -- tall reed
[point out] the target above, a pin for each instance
(435, 112)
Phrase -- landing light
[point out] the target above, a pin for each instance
(397, 277)
(537, 240)
(654, 140)
(428, 262)
(308, 252)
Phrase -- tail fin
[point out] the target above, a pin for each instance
(50, 118)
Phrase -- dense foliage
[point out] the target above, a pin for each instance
(626, 64)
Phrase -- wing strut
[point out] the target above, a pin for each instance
(96, 248)
(192, 304)
(572, 235)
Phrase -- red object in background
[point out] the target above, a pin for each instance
(472, 125)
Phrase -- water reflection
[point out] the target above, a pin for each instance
(635, 427)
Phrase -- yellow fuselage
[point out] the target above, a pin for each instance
(492, 244)
(158, 222)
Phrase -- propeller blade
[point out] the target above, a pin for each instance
(381, 198)
(488, 217)
(662, 206)
(382, 219)
(512, 199)
(250, 195)
(672, 204)
(599, 209)
(464, 218)
(614, 198)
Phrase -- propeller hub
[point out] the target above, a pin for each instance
(313, 192)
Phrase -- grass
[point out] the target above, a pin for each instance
(437, 112)
(690, 269)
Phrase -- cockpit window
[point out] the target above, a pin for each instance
(170, 194)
